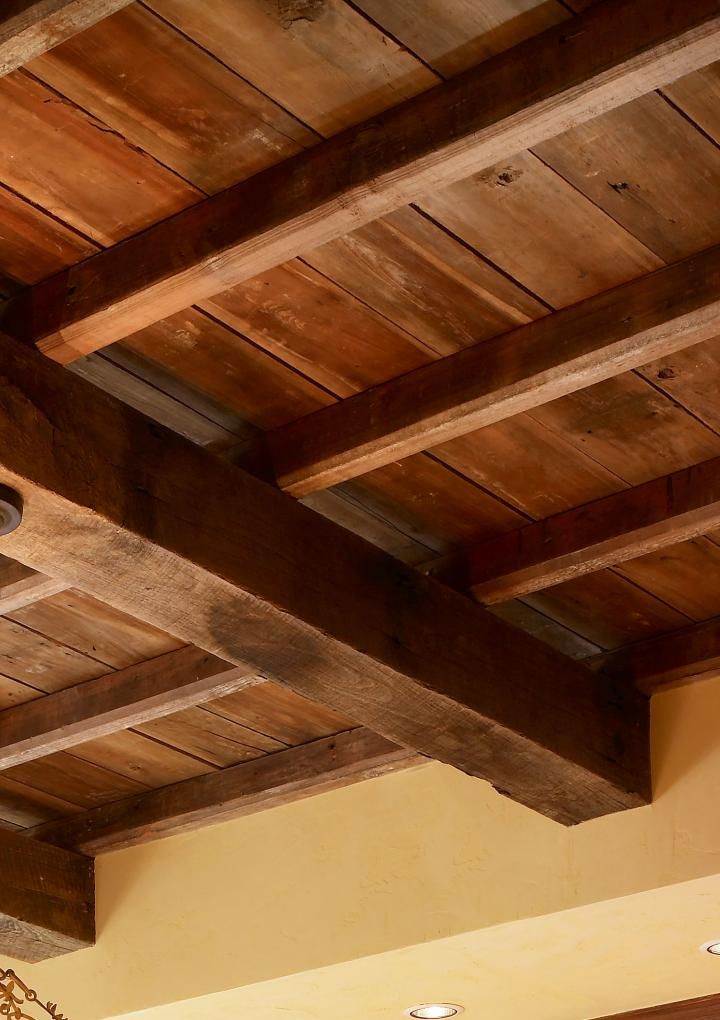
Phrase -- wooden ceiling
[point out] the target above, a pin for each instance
(417, 289)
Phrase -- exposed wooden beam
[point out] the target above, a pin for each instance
(596, 339)
(611, 530)
(157, 527)
(564, 77)
(29, 28)
(116, 701)
(20, 586)
(267, 782)
(668, 660)
(47, 899)
(706, 1007)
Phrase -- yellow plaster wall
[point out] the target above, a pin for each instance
(404, 860)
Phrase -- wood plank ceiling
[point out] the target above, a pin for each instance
(503, 273)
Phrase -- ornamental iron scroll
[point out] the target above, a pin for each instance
(18, 1002)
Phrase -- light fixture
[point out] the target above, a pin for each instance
(20, 1002)
(434, 1011)
(712, 947)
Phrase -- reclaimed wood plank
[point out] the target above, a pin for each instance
(363, 173)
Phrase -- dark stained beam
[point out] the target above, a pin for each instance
(163, 530)
(619, 527)
(533, 92)
(267, 782)
(47, 899)
(116, 701)
(707, 1007)
(669, 660)
(21, 586)
(596, 339)
(29, 28)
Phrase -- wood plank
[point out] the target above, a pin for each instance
(277, 779)
(578, 250)
(237, 567)
(70, 779)
(607, 609)
(40, 662)
(570, 350)
(179, 104)
(684, 576)
(324, 62)
(452, 35)
(78, 621)
(31, 27)
(362, 174)
(633, 163)
(211, 738)
(115, 702)
(626, 525)
(666, 660)
(21, 586)
(95, 182)
(47, 900)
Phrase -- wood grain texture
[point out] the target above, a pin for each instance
(235, 566)
(178, 104)
(446, 134)
(570, 350)
(31, 27)
(277, 779)
(114, 702)
(47, 900)
(620, 527)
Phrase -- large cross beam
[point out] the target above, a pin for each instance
(161, 529)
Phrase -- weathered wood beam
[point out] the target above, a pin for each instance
(619, 527)
(596, 339)
(668, 660)
(21, 586)
(116, 701)
(47, 899)
(163, 530)
(29, 28)
(559, 79)
(267, 782)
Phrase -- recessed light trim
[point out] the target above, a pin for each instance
(712, 947)
(434, 1011)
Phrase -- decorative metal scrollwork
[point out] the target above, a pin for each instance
(16, 999)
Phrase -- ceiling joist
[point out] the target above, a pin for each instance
(535, 91)
(620, 527)
(159, 528)
(29, 28)
(267, 782)
(20, 586)
(680, 657)
(570, 350)
(116, 701)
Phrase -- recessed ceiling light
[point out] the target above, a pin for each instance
(434, 1011)
(712, 947)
